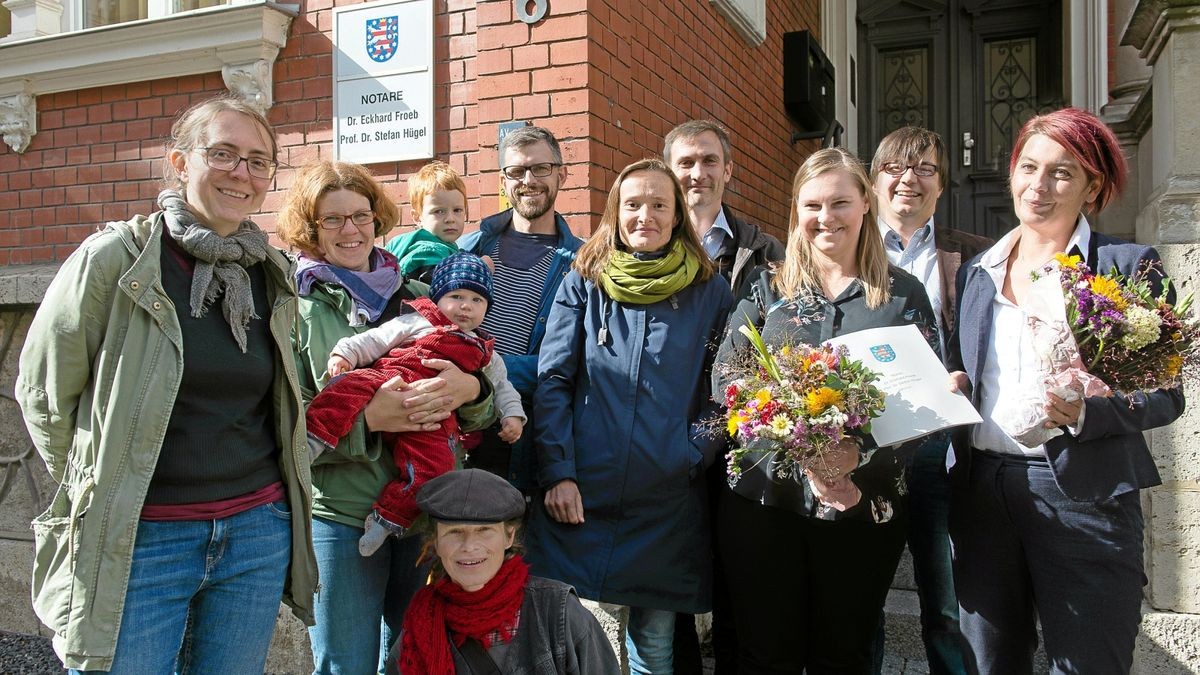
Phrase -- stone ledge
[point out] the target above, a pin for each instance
(25, 284)
(1168, 642)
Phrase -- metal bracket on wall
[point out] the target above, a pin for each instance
(831, 137)
(540, 8)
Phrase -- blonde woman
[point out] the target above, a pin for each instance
(809, 559)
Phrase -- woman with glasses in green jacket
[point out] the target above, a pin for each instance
(158, 384)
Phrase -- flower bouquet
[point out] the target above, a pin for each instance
(1096, 334)
(796, 403)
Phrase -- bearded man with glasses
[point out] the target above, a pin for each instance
(532, 250)
(909, 171)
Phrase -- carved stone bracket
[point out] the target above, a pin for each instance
(251, 82)
(32, 18)
(18, 120)
(1153, 21)
(241, 39)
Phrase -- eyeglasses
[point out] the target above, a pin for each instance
(227, 160)
(923, 169)
(335, 221)
(517, 172)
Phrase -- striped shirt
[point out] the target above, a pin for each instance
(522, 264)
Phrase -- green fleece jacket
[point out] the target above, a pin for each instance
(347, 481)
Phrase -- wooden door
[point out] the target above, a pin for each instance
(972, 70)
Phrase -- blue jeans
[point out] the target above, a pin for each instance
(360, 605)
(648, 640)
(203, 595)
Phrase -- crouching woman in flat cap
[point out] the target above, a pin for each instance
(485, 614)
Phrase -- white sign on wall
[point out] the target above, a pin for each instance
(383, 81)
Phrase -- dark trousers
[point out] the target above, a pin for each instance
(929, 544)
(1024, 551)
(806, 594)
(686, 645)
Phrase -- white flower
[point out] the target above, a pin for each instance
(834, 416)
(782, 426)
(1142, 327)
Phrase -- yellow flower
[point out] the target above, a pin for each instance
(817, 401)
(1067, 260)
(1174, 365)
(786, 350)
(781, 424)
(1109, 289)
(763, 397)
(734, 420)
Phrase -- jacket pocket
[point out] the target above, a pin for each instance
(56, 540)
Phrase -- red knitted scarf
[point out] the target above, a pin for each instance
(445, 607)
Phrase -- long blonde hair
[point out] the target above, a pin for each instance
(798, 274)
(594, 254)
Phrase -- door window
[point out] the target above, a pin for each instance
(1010, 74)
(904, 88)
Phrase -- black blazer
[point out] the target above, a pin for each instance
(1110, 456)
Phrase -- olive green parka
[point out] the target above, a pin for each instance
(99, 373)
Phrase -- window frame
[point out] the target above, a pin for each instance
(749, 18)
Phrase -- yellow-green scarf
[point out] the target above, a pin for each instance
(642, 282)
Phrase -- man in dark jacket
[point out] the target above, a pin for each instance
(700, 155)
(531, 247)
(909, 171)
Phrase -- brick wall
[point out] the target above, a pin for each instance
(609, 78)
(95, 158)
(659, 64)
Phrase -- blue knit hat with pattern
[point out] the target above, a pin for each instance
(461, 271)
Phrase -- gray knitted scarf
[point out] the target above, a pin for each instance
(221, 262)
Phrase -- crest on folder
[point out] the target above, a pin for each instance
(883, 353)
(382, 38)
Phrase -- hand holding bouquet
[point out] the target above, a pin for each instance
(1096, 334)
(799, 404)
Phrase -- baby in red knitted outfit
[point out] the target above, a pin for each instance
(443, 326)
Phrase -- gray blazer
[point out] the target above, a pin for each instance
(1110, 456)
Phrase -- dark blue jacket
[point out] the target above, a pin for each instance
(621, 414)
(522, 368)
(1110, 456)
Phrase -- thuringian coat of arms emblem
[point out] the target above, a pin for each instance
(383, 34)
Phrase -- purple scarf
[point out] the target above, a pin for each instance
(370, 291)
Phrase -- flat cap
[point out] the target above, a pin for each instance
(471, 496)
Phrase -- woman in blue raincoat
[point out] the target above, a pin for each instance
(622, 398)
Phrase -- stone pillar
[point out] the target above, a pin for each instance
(1128, 113)
(1166, 34)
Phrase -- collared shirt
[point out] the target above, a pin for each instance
(918, 258)
(714, 239)
(1011, 369)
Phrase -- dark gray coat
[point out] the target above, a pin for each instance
(555, 636)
